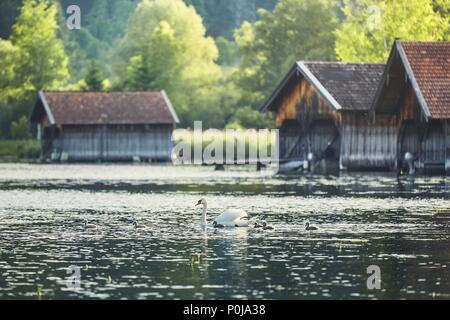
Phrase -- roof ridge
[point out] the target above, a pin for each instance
(96, 92)
(425, 41)
(342, 62)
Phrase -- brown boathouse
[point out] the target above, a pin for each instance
(321, 109)
(415, 93)
(104, 126)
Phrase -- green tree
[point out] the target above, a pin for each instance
(139, 75)
(443, 8)
(221, 17)
(106, 19)
(20, 129)
(169, 37)
(43, 62)
(371, 26)
(10, 85)
(295, 30)
(32, 59)
(227, 52)
(94, 79)
(9, 9)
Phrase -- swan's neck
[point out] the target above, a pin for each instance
(205, 207)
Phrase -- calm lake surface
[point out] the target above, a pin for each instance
(402, 226)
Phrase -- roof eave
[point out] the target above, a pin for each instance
(381, 85)
(318, 86)
(266, 105)
(170, 106)
(301, 67)
(43, 99)
(412, 78)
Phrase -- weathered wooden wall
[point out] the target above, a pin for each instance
(291, 143)
(434, 146)
(447, 146)
(307, 124)
(368, 146)
(341, 136)
(113, 143)
(426, 140)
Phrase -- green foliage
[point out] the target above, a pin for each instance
(165, 47)
(295, 30)
(106, 20)
(10, 85)
(42, 62)
(94, 80)
(371, 26)
(227, 52)
(221, 17)
(29, 149)
(9, 9)
(15, 150)
(32, 59)
(247, 117)
(81, 47)
(20, 129)
(165, 44)
(139, 75)
(443, 8)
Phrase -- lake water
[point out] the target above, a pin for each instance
(401, 226)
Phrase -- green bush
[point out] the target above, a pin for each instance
(13, 150)
(29, 149)
(20, 129)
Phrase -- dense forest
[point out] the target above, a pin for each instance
(104, 21)
(217, 59)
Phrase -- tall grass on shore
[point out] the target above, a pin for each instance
(223, 146)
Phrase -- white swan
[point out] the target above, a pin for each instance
(229, 218)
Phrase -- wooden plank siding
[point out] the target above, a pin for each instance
(114, 143)
(104, 126)
(308, 124)
(415, 91)
(425, 139)
(368, 146)
(322, 109)
(447, 146)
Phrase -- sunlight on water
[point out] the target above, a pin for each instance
(400, 225)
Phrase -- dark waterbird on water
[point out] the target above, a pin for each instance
(263, 226)
(217, 225)
(137, 225)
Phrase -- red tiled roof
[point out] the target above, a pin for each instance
(430, 65)
(77, 108)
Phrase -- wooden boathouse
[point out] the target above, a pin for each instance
(104, 126)
(415, 93)
(322, 111)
